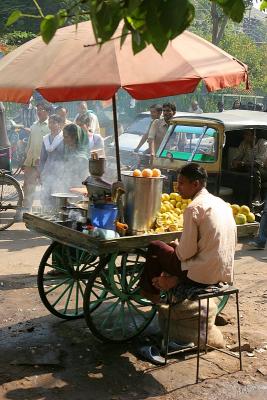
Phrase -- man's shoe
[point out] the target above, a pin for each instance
(255, 246)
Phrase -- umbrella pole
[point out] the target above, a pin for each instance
(116, 137)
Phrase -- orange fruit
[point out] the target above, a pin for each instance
(146, 173)
(156, 172)
(137, 172)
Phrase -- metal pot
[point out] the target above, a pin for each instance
(142, 201)
(61, 199)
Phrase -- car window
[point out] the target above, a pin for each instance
(139, 126)
(183, 141)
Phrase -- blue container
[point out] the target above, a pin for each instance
(104, 215)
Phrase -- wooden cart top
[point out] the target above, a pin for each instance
(73, 238)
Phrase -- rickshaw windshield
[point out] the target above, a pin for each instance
(184, 141)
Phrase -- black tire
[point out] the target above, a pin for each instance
(11, 198)
(62, 276)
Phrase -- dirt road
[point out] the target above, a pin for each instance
(43, 357)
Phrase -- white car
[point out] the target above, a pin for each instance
(130, 138)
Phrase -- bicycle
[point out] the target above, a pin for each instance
(11, 198)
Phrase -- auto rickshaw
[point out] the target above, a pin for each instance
(212, 139)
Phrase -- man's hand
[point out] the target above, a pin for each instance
(174, 243)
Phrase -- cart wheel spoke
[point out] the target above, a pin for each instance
(122, 313)
(62, 294)
(62, 277)
(54, 287)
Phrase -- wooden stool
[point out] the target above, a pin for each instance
(205, 295)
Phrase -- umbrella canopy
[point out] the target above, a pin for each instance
(66, 70)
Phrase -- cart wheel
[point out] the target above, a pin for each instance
(11, 197)
(122, 313)
(62, 277)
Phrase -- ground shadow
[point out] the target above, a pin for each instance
(17, 281)
(16, 239)
(81, 368)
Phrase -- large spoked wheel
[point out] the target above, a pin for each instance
(62, 276)
(11, 197)
(120, 314)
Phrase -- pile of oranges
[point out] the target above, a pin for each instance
(147, 173)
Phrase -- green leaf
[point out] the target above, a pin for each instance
(175, 20)
(13, 17)
(235, 9)
(49, 26)
(263, 5)
(138, 44)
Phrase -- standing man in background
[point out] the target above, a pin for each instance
(38, 130)
(82, 111)
(159, 129)
(155, 113)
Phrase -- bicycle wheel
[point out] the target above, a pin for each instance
(62, 276)
(11, 197)
(122, 313)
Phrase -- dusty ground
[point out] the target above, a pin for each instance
(43, 357)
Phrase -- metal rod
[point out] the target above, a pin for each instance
(116, 137)
(238, 331)
(190, 159)
(207, 324)
(198, 338)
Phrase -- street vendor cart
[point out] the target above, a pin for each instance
(96, 278)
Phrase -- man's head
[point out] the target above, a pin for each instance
(62, 112)
(82, 107)
(236, 105)
(259, 107)
(155, 111)
(248, 136)
(43, 110)
(84, 121)
(191, 179)
(194, 105)
(55, 123)
(220, 106)
(169, 109)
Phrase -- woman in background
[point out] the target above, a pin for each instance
(96, 142)
(75, 159)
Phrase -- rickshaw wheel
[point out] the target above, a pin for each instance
(62, 276)
(122, 313)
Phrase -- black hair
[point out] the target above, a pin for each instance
(60, 108)
(46, 106)
(157, 107)
(259, 107)
(84, 119)
(56, 118)
(194, 172)
(170, 105)
(72, 130)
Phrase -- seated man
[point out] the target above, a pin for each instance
(252, 151)
(205, 253)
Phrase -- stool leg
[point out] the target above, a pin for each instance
(167, 332)
(207, 325)
(238, 331)
(198, 338)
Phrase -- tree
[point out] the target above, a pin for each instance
(214, 18)
(153, 22)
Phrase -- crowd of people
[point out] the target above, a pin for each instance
(58, 150)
